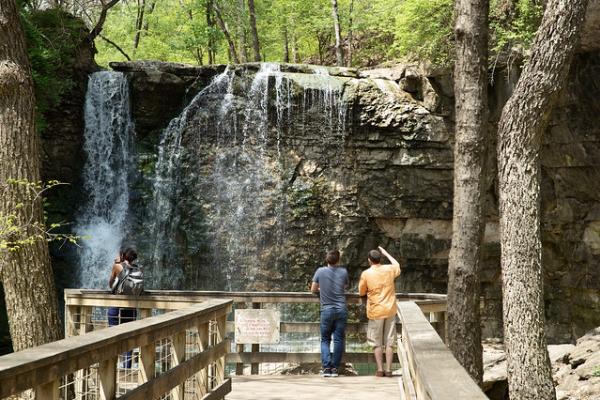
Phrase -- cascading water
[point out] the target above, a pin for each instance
(109, 134)
(219, 190)
(167, 188)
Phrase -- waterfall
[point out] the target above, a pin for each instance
(108, 145)
(219, 189)
(167, 188)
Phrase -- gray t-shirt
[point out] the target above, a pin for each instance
(332, 286)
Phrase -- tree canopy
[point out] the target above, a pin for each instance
(220, 31)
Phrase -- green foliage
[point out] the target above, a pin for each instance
(596, 372)
(512, 31)
(17, 232)
(52, 41)
(424, 30)
(382, 30)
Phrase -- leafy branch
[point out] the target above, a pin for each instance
(16, 233)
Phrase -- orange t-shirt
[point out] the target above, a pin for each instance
(377, 283)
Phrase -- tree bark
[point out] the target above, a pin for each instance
(255, 43)
(520, 129)
(468, 223)
(25, 272)
(339, 52)
(97, 29)
(244, 56)
(350, 38)
(286, 45)
(211, 41)
(221, 22)
(139, 23)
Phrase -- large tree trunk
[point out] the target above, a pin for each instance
(339, 52)
(520, 129)
(25, 272)
(470, 88)
(255, 43)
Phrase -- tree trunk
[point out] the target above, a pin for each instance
(350, 13)
(232, 52)
(211, 41)
(25, 272)
(244, 56)
(295, 55)
(520, 129)
(139, 23)
(255, 43)
(97, 29)
(339, 52)
(286, 46)
(468, 223)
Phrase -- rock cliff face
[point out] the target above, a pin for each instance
(323, 158)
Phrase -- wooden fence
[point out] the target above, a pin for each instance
(80, 305)
(87, 366)
(430, 371)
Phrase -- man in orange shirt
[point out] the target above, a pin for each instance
(377, 283)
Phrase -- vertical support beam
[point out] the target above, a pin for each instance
(48, 391)
(85, 320)
(255, 347)
(145, 313)
(239, 367)
(107, 374)
(178, 357)
(72, 314)
(203, 384)
(147, 363)
(221, 334)
(440, 324)
(85, 326)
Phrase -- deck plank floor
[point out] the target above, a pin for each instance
(314, 387)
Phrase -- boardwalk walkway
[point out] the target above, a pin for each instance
(314, 387)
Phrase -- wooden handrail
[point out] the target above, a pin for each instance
(46, 364)
(434, 372)
(175, 299)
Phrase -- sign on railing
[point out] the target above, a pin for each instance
(257, 326)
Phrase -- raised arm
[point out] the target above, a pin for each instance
(389, 256)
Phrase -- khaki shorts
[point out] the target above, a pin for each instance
(382, 331)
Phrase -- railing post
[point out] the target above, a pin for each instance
(255, 347)
(239, 367)
(107, 378)
(178, 354)
(147, 360)
(71, 318)
(221, 334)
(85, 326)
(202, 382)
(48, 391)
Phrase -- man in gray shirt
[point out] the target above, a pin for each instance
(331, 283)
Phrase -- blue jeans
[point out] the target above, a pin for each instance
(333, 321)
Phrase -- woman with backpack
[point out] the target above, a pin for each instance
(121, 270)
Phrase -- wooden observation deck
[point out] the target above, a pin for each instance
(181, 348)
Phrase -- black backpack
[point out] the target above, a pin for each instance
(130, 280)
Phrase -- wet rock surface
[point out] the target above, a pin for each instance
(385, 179)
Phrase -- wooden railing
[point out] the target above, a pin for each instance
(430, 371)
(80, 303)
(86, 366)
